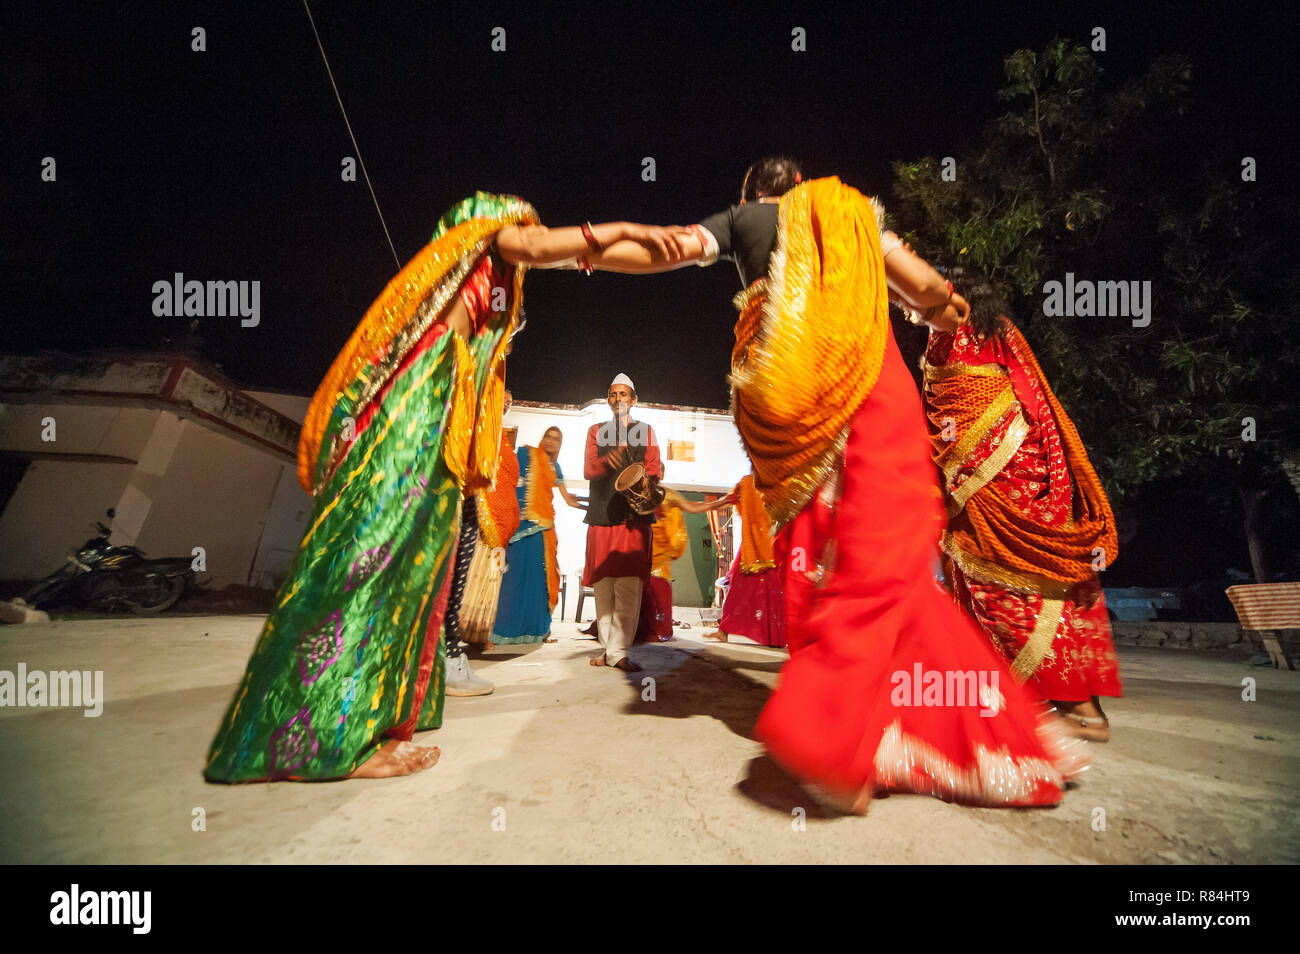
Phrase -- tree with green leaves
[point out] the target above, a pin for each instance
(1111, 182)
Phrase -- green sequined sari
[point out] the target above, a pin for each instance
(407, 419)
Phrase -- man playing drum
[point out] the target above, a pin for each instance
(618, 537)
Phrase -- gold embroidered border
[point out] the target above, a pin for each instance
(1016, 433)
(905, 763)
(1038, 647)
(944, 371)
(426, 314)
(994, 413)
(985, 571)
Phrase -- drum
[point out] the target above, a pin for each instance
(643, 495)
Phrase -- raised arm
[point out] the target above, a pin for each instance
(702, 506)
(639, 255)
(540, 247)
(913, 280)
(569, 498)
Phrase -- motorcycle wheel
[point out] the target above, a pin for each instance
(172, 589)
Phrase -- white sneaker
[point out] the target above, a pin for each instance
(462, 681)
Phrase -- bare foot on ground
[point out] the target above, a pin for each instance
(395, 758)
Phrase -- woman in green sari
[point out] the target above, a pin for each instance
(350, 663)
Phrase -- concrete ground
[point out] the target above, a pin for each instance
(566, 763)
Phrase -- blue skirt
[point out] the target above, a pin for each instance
(524, 610)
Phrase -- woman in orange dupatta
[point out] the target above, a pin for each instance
(755, 603)
(1029, 525)
(531, 585)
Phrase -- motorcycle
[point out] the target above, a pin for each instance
(101, 576)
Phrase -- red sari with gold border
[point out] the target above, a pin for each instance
(1014, 468)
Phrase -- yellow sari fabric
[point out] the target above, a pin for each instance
(809, 346)
(755, 529)
(539, 506)
(668, 537)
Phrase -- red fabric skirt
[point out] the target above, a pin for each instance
(755, 606)
(845, 714)
(656, 622)
(617, 551)
(1082, 663)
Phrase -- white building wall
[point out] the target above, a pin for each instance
(215, 493)
(179, 485)
(184, 485)
(55, 505)
(78, 429)
(291, 506)
(52, 513)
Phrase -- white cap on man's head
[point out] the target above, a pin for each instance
(623, 379)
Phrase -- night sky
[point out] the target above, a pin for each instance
(225, 164)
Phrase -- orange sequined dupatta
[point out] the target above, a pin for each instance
(498, 505)
(539, 505)
(989, 536)
(809, 341)
(755, 529)
(396, 324)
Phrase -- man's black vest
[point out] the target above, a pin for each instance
(606, 507)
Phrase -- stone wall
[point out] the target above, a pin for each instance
(1195, 636)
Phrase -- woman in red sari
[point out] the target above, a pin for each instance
(1029, 525)
(834, 428)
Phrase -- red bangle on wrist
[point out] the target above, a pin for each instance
(590, 236)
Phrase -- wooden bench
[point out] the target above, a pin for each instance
(1266, 608)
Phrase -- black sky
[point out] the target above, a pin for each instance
(226, 164)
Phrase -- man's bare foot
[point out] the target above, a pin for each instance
(624, 664)
(489, 646)
(717, 634)
(395, 758)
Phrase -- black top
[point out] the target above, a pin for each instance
(606, 507)
(746, 235)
